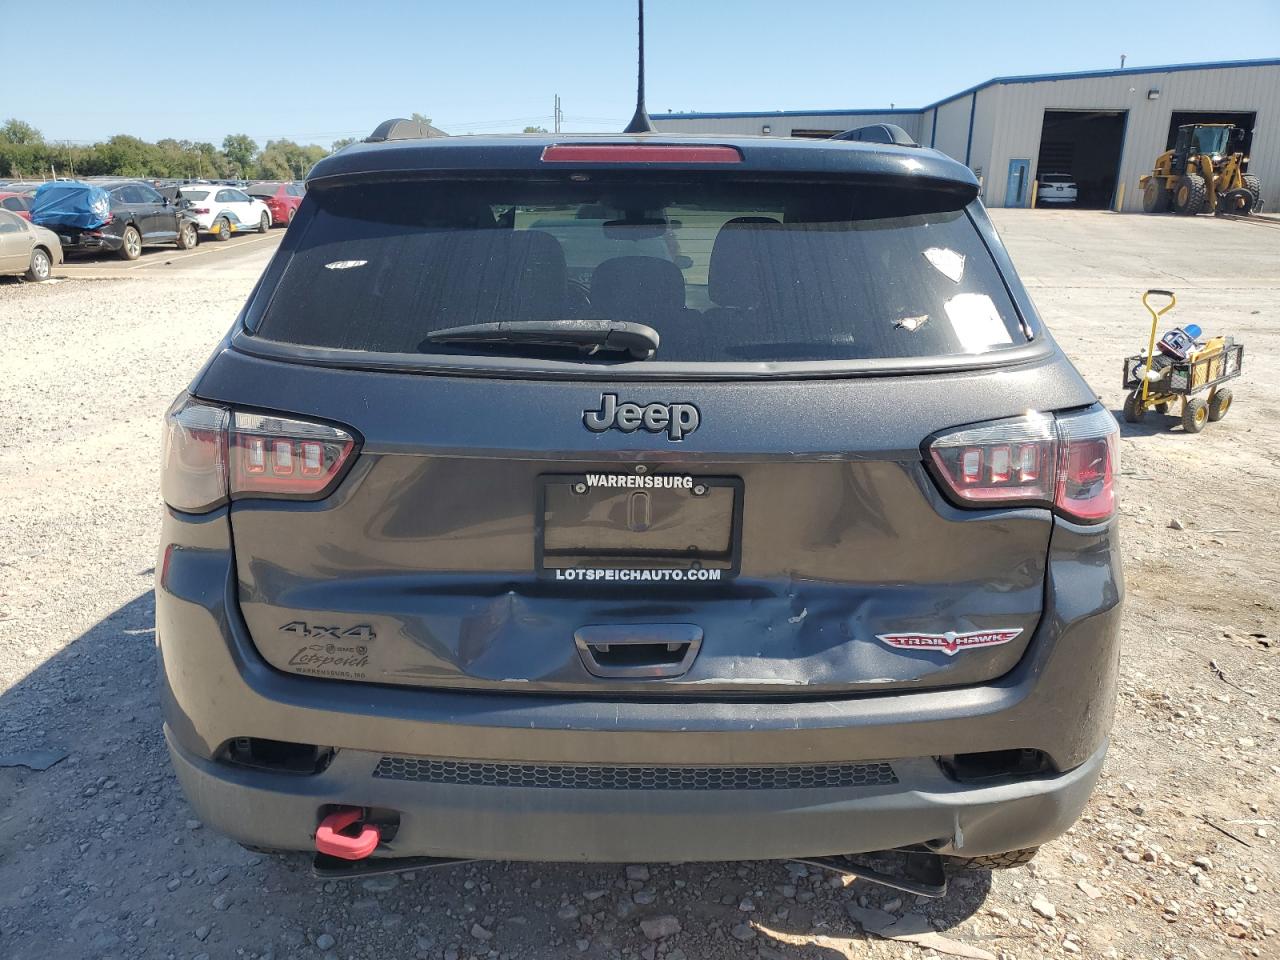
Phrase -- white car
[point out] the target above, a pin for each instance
(222, 210)
(1056, 188)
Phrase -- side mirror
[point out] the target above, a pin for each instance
(165, 201)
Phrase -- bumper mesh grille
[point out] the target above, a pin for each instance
(583, 777)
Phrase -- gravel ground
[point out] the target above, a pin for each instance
(1175, 857)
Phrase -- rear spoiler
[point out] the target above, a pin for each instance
(878, 133)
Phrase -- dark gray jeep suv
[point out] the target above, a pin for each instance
(639, 498)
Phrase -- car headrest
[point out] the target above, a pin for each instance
(739, 258)
(631, 288)
(538, 261)
(502, 275)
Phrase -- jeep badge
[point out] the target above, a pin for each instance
(678, 420)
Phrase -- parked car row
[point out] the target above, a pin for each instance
(114, 216)
(124, 216)
(281, 198)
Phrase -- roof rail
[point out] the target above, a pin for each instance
(879, 133)
(398, 128)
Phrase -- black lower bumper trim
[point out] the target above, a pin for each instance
(635, 777)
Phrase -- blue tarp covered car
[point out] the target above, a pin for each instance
(71, 203)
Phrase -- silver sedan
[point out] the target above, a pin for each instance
(27, 248)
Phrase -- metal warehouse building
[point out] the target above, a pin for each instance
(1105, 127)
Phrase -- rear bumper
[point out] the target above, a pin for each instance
(557, 824)
(80, 243)
(1059, 700)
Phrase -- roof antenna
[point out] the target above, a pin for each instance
(640, 123)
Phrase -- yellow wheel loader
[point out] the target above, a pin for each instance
(1204, 172)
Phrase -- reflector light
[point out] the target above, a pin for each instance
(256, 456)
(312, 459)
(638, 153)
(1068, 462)
(1028, 462)
(281, 458)
(999, 464)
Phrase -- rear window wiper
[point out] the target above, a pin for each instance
(590, 336)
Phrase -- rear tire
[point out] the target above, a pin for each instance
(187, 236)
(1155, 198)
(130, 243)
(1134, 410)
(264, 223)
(995, 861)
(1253, 185)
(1219, 404)
(1189, 194)
(224, 229)
(40, 267)
(288, 217)
(1195, 415)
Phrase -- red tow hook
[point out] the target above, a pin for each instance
(331, 839)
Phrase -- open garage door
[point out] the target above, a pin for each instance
(1245, 121)
(1085, 145)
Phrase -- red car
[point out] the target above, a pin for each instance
(19, 203)
(282, 199)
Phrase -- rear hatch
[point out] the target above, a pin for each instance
(748, 511)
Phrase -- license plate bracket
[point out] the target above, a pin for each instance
(638, 527)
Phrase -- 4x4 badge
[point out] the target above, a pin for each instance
(950, 642)
(677, 420)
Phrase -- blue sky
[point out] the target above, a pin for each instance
(320, 70)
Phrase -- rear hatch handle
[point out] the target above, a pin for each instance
(638, 650)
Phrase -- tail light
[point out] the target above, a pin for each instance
(213, 454)
(281, 457)
(1067, 462)
(199, 210)
(193, 475)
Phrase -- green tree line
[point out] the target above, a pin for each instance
(25, 153)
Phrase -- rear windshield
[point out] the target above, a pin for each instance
(265, 190)
(724, 271)
(195, 194)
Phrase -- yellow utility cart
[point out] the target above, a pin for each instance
(1158, 380)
